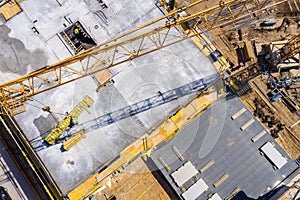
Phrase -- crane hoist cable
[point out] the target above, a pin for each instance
(125, 47)
(44, 105)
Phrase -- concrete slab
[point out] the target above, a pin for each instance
(137, 80)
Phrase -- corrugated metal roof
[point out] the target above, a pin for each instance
(195, 190)
(184, 173)
(215, 197)
(275, 157)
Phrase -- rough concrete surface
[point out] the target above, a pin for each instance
(137, 80)
(14, 57)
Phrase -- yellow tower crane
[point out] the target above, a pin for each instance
(125, 47)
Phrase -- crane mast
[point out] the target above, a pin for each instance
(140, 41)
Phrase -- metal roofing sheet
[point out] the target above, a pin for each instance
(184, 173)
(215, 197)
(271, 152)
(195, 190)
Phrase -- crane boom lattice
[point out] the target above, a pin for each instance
(125, 47)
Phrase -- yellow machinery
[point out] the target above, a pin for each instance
(125, 47)
(67, 145)
(65, 123)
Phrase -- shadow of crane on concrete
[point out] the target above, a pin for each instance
(109, 118)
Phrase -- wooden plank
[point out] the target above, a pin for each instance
(178, 153)
(67, 145)
(103, 76)
(166, 166)
(10, 9)
(221, 180)
(258, 136)
(208, 165)
(296, 5)
(239, 113)
(233, 193)
(247, 124)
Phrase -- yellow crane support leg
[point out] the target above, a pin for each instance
(64, 124)
(74, 140)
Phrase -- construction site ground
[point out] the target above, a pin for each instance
(218, 139)
(136, 181)
(292, 192)
(134, 81)
(227, 42)
(289, 138)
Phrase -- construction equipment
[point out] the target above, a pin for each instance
(118, 50)
(125, 47)
(74, 140)
(69, 119)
